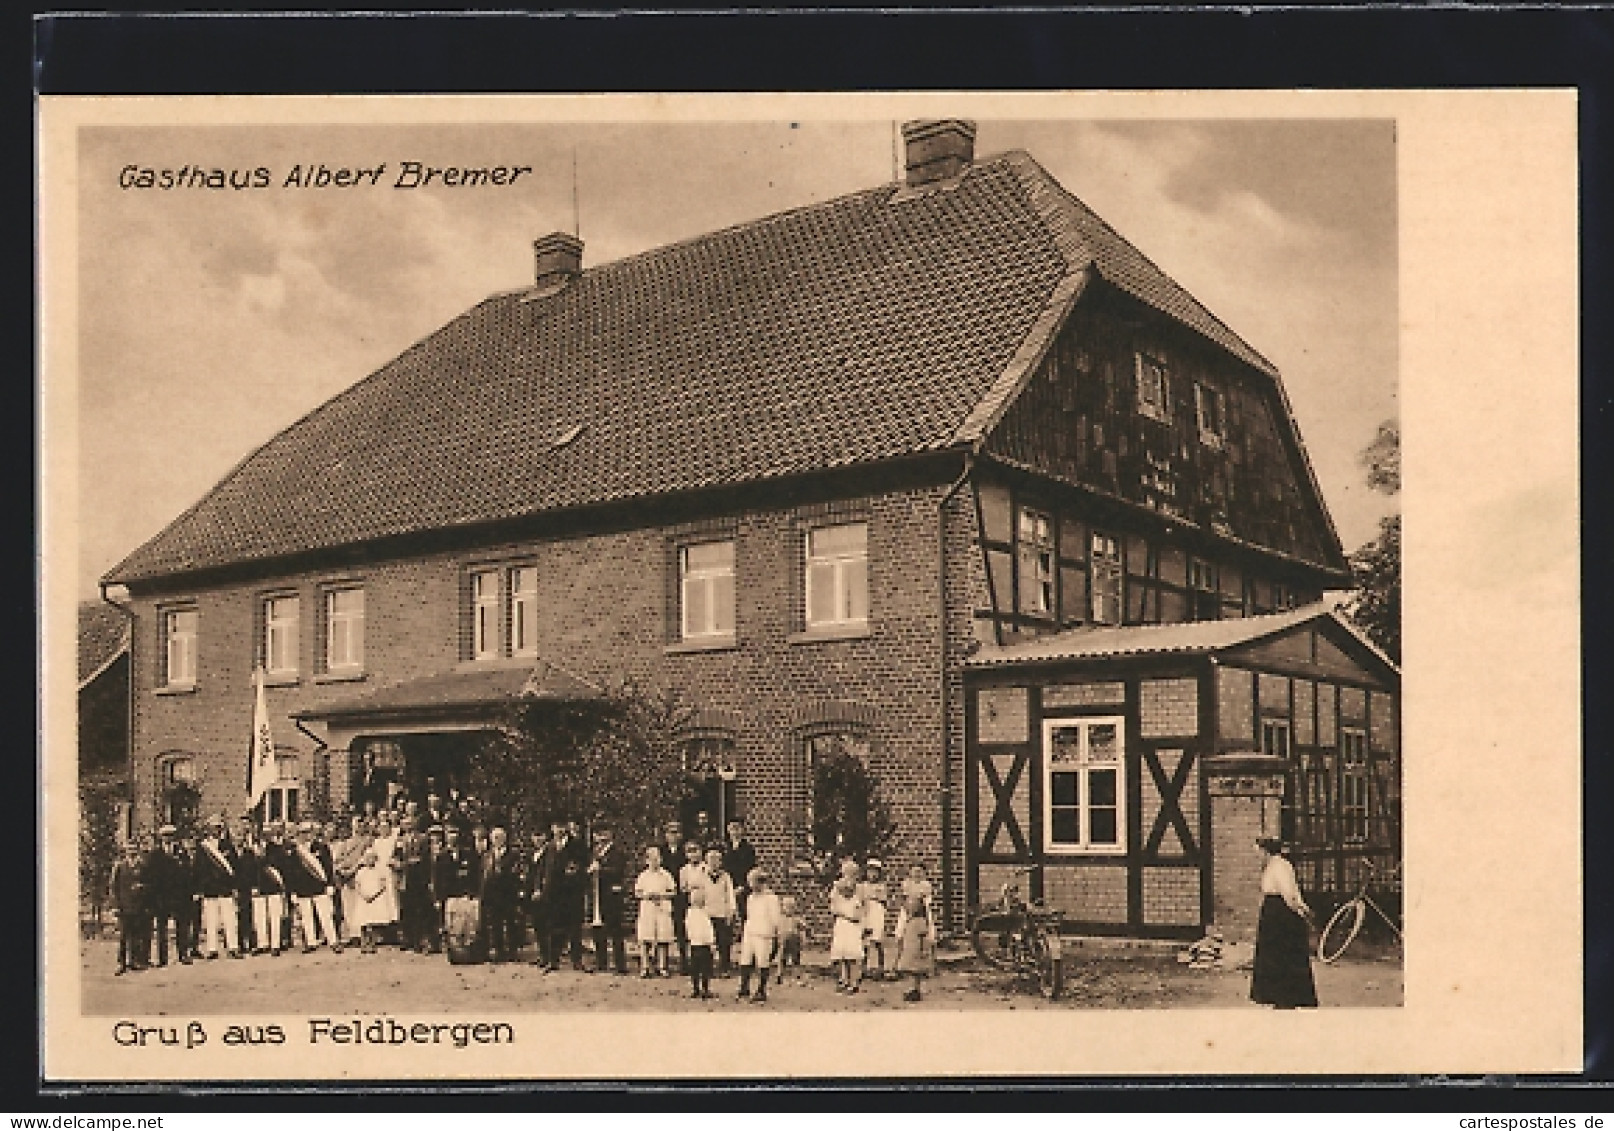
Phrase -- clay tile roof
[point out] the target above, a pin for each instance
(1189, 638)
(103, 634)
(459, 690)
(880, 324)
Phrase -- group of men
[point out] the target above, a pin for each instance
(238, 892)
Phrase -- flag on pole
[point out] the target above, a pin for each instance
(261, 769)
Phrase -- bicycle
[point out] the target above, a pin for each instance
(1346, 921)
(1022, 937)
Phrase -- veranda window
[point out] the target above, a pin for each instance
(1084, 786)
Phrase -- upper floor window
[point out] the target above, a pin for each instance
(344, 629)
(280, 634)
(838, 575)
(1203, 585)
(524, 611)
(502, 613)
(706, 590)
(1036, 550)
(1154, 387)
(1210, 407)
(484, 614)
(1084, 787)
(1104, 578)
(179, 627)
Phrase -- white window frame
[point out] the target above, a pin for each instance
(1354, 773)
(1271, 727)
(709, 579)
(1085, 770)
(353, 620)
(282, 634)
(485, 607)
(1095, 609)
(1154, 386)
(1210, 411)
(180, 648)
(840, 565)
(523, 617)
(1034, 538)
(1204, 580)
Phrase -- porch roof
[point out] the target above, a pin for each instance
(1193, 638)
(474, 689)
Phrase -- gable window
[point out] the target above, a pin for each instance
(1210, 408)
(1084, 787)
(1154, 387)
(838, 576)
(524, 611)
(1203, 582)
(1036, 552)
(281, 633)
(179, 629)
(1283, 597)
(1104, 572)
(1353, 785)
(706, 590)
(484, 614)
(344, 629)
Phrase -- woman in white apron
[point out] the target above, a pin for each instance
(376, 884)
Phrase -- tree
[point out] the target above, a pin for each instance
(615, 758)
(97, 842)
(1376, 605)
(849, 817)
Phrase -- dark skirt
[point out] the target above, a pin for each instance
(1282, 974)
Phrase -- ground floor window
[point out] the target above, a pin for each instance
(1353, 785)
(710, 776)
(1084, 784)
(179, 802)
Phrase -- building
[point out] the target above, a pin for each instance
(825, 474)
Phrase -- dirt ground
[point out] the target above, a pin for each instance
(393, 981)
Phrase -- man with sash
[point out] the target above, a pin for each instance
(216, 878)
(310, 879)
(268, 883)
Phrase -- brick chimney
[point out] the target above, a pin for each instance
(557, 260)
(938, 150)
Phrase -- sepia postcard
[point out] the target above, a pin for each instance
(798, 586)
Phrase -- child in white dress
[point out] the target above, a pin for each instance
(846, 937)
(875, 893)
(654, 889)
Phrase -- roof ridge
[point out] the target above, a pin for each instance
(1028, 165)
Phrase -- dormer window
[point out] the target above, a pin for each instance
(1154, 387)
(1210, 406)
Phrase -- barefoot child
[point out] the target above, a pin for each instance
(654, 889)
(915, 945)
(846, 937)
(760, 940)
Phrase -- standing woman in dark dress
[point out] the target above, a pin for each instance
(1282, 974)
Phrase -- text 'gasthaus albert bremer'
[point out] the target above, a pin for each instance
(408, 175)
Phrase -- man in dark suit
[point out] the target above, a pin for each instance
(500, 891)
(414, 891)
(532, 894)
(311, 878)
(563, 868)
(672, 859)
(129, 898)
(739, 857)
(168, 878)
(609, 869)
(246, 844)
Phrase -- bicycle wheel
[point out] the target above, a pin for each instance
(1341, 929)
(994, 942)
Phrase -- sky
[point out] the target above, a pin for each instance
(211, 320)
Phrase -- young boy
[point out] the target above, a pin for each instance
(760, 940)
(698, 927)
(789, 935)
(722, 907)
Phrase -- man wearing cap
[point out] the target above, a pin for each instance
(217, 867)
(311, 880)
(244, 838)
(564, 866)
(609, 869)
(432, 911)
(500, 884)
(414, 892)
(269, 889)
(739, 857)
(168, 874)
(672, 858)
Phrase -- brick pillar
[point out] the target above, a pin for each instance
(340, 793)
(1246, 801)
